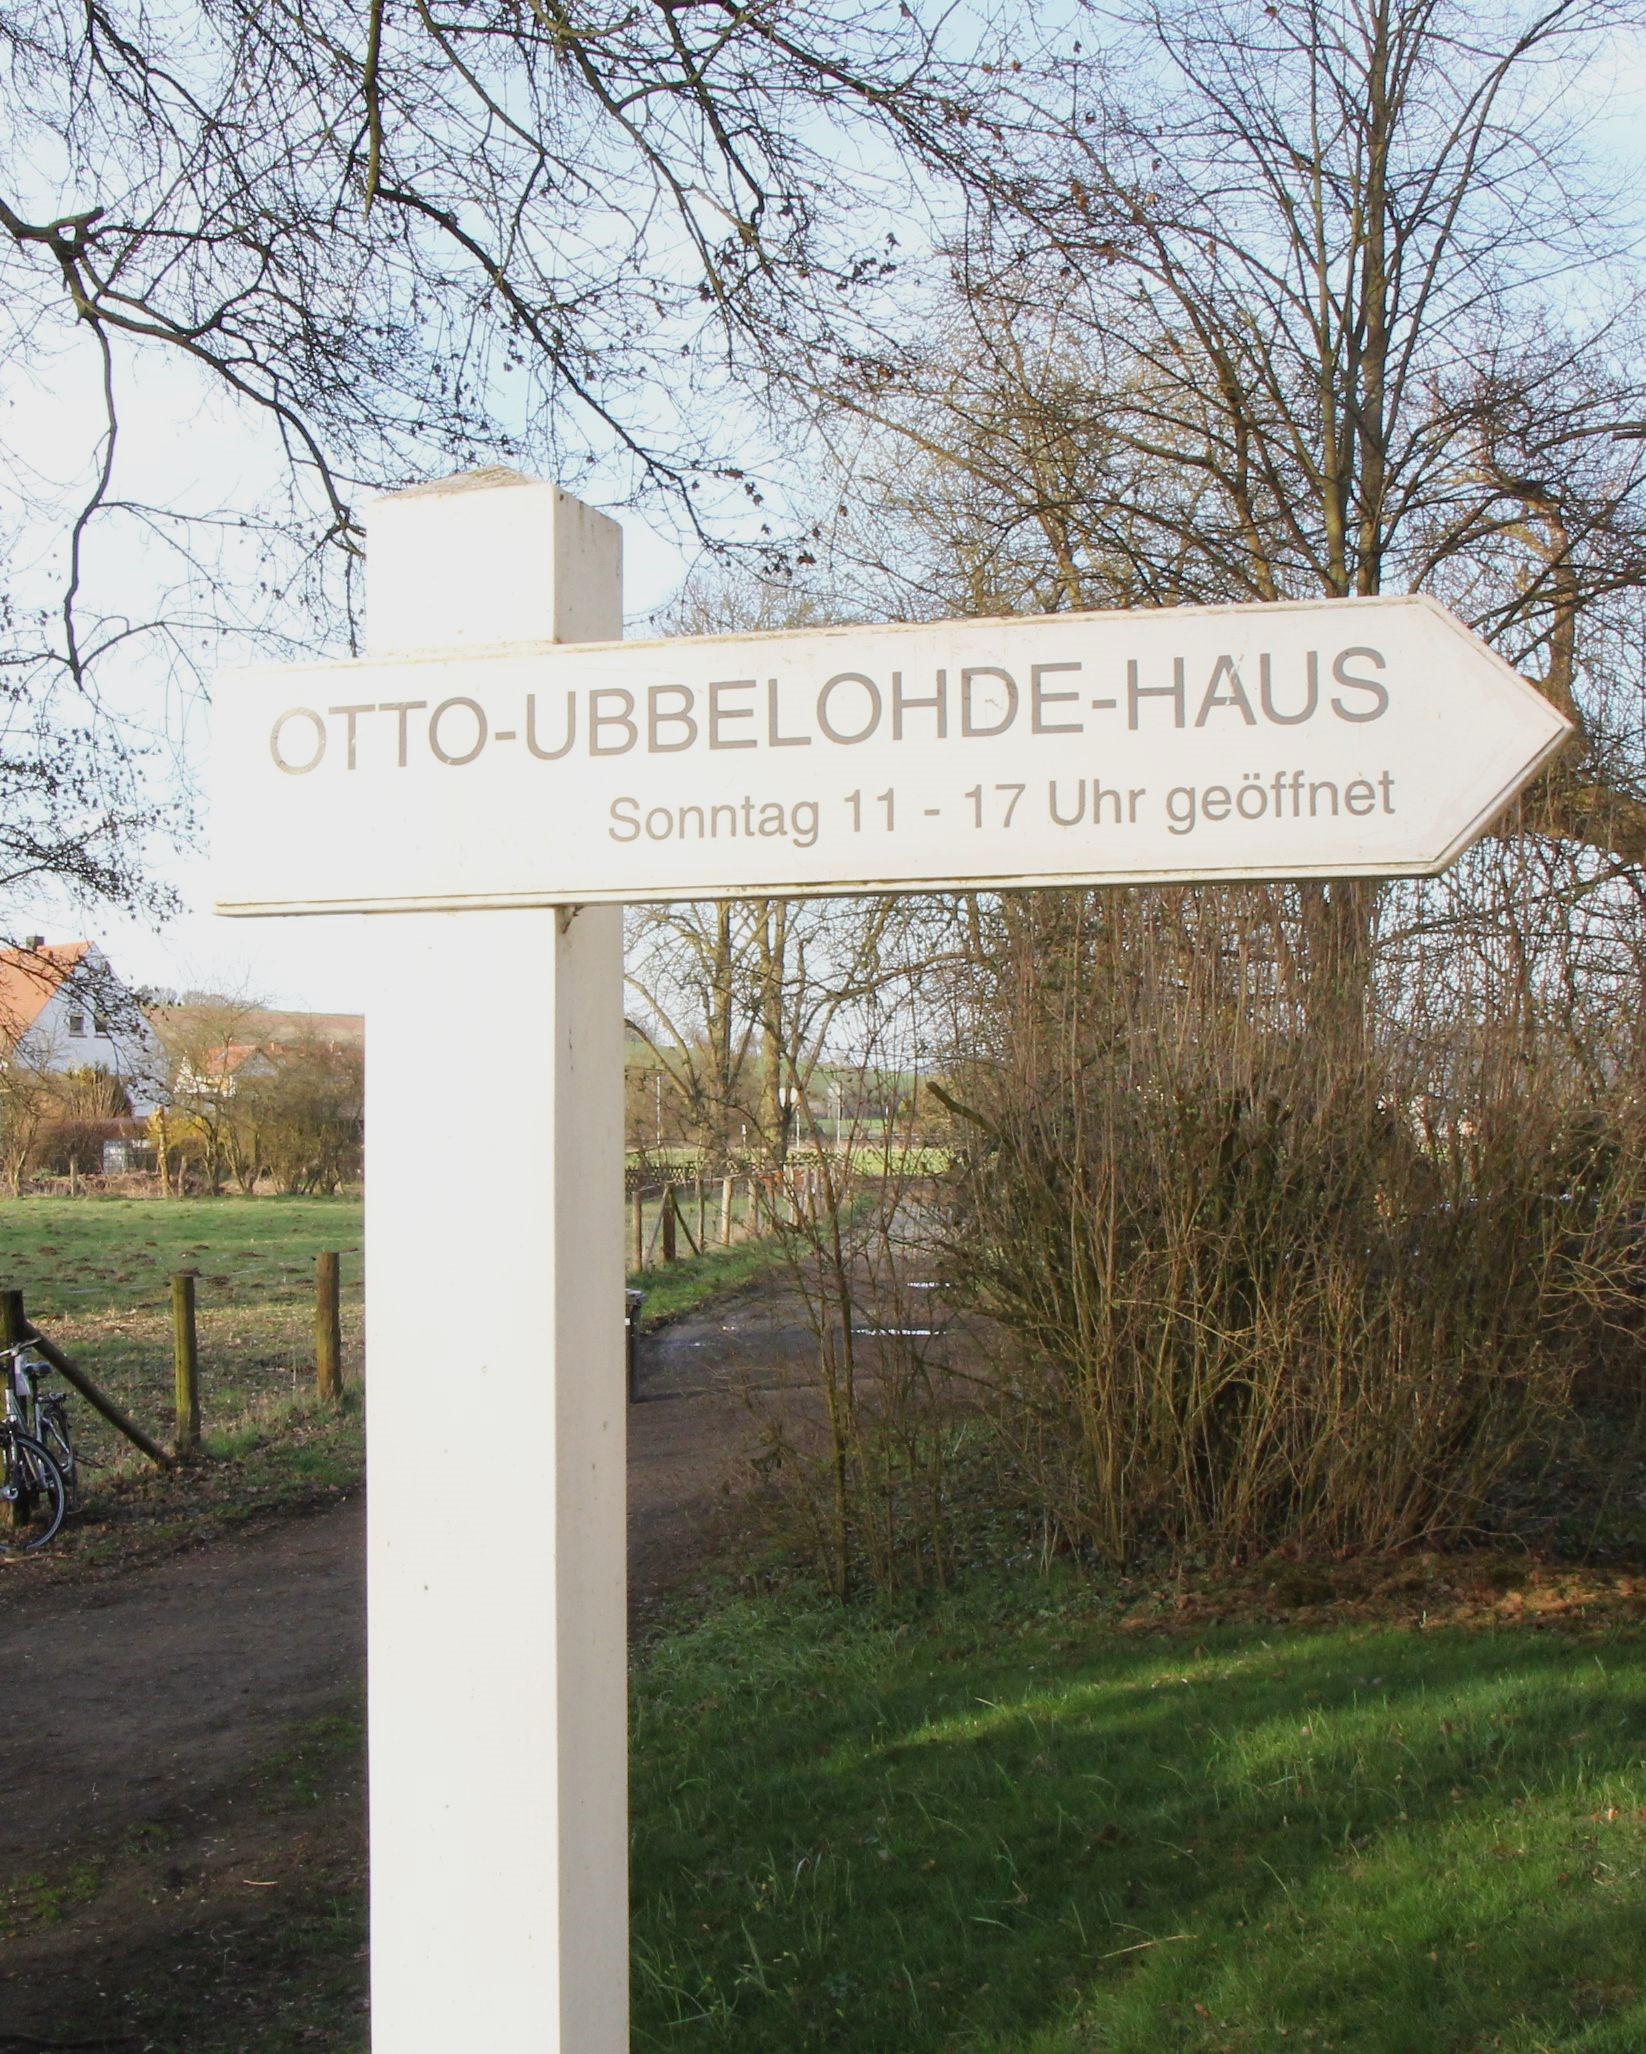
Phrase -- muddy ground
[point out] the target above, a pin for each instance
(182, 1820)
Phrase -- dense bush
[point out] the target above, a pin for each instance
(299, 1119)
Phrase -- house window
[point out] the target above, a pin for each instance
(100, 1024)
(77, 1025)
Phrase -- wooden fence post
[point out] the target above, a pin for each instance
(328, 1328)
(702, 1213)
(639, 1228)
(185, 1355)
(726, 1211)
(669, 1217)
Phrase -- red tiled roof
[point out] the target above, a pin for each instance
(28, 978)
(224, 1061)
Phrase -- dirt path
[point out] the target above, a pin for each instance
(157, 1686)
(691, 1432)
(146, 1707)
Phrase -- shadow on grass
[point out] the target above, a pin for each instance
(982, 1827)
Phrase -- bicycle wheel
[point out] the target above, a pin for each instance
(32, 1498)
(54, 1438)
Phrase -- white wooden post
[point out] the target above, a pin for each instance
(494, 1279)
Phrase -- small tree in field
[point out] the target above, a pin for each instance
(83, 1105)
(91, 1093)
(26, 1102)
(205, 1041)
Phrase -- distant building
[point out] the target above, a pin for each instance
(63, 1007)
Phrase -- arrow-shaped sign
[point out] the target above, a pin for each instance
(1368, 737)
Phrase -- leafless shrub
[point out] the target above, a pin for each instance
(1271, 1288)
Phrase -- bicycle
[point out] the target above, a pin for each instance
(39, 1470)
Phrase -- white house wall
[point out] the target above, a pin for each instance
(132, 1054)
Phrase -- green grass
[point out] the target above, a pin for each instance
(33, 1897)
(96, 1274)
(95, 1256)
(303, 1776)
(675, 1288)
(686, 1206)
(902, 1159)
(1001, 1823)
(278, 1460)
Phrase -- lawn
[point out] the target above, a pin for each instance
(96, 1276)
(691, 1281)
(1002, 1823)
(1015, 1821)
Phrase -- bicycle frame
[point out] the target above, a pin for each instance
(42, 1416)
(26, 1405)
(24, 1369)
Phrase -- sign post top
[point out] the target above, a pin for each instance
(536, 762)
(541, 566)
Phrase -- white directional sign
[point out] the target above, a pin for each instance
(1347, 737)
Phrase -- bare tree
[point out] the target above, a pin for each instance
(1333, 305)
(405, 240)
(739, 999)
(27, 1101)
(205, 1040)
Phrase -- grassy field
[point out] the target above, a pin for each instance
(96, 1275)
(691, 1281)
(1006, 1825)
(1018, 1820)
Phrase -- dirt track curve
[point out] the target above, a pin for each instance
(138, 1696)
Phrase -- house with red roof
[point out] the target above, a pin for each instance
(63, 1007)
